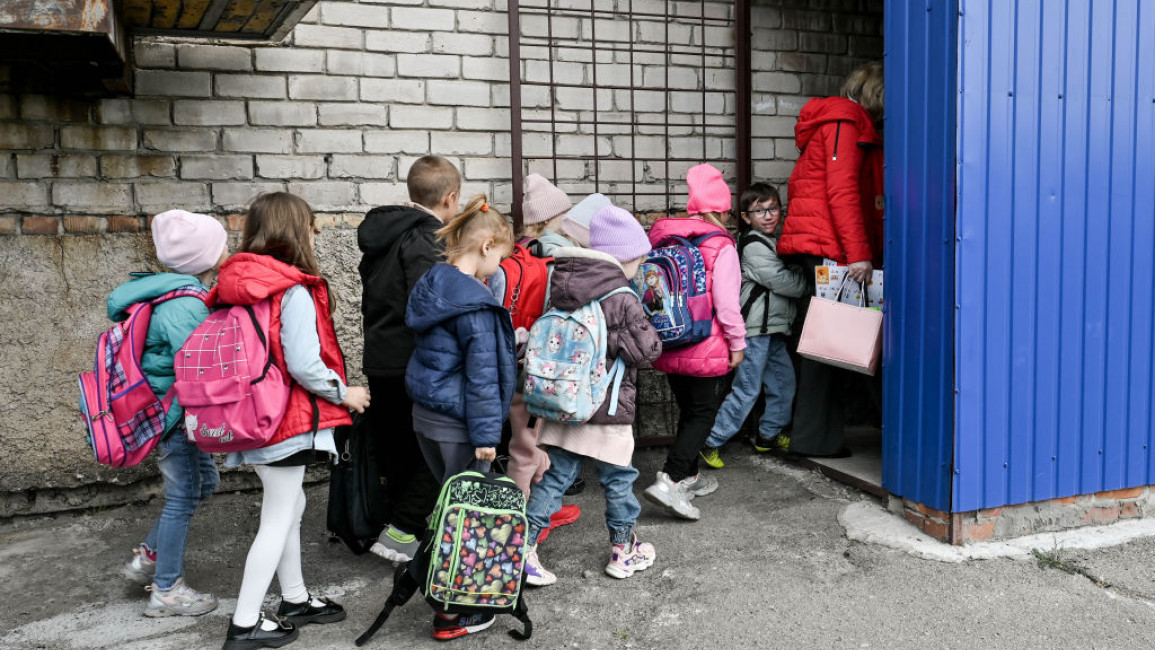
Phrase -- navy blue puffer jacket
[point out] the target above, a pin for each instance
(464, 365)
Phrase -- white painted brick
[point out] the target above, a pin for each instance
(214, 57)
(328, 141)
(282, 113)
(132, 111)
(539, 71)
(217, 167)
(429, 66)
(483, 119)
(539, 27)
(776, 170)
(653, 31)
(154, 55)
(361, 64)
(325, 196)
(791, 104)
(501, 46)
(170, 83)
(456, 43)
(423, 19)
(482, 22)
(238, 196)
(466, 4)
(54, 165)
(291, 166)
(322, 87)
(420, 117)
(679, 78)
(101, 138)
(400, 91)
(494, 169)
(341, 38)
(23, 196)
(502, 145)
(474, 144)
(258, 141)
(374, 194)
(393, 142)
(575, 99)
(288, 59)
(206, 112)
(387, 40)
(781, 126)
(250, 85)
(180, 140)
(470, 189)
(354, 15)
(101, 198)
(7, 166)
(158, 197)
(457, 93)
(343, 114)
(345, 166)
(485, 68)
(137, 166)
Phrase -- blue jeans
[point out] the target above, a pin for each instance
(622, 506)
(190, 477)
(766, 366)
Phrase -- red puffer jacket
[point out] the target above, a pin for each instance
(836, 189)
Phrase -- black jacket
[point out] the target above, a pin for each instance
(398, 246)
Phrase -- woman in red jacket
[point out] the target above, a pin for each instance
(836, 205)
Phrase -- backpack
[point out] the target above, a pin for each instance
(526, 282)
(758, 292)
(472, 556)
(233, 395)
(357, 502)
(672, 286)
(566, 367)
(123, 417)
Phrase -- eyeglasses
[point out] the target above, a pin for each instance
(762, 213)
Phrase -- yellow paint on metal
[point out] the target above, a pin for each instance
(263, 16)
(194, 11)
(165, 13)
(136, 13)
(236, 14)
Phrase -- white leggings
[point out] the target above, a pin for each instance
(277, 548)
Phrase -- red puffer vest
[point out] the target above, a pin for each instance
(835, 191)
(246, 279)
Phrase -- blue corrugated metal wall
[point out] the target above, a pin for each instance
(921, 97)
(1056, 219)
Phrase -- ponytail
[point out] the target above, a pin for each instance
(472, 225)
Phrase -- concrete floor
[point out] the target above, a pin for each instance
(768, 566)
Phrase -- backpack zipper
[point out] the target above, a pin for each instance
(837, 132)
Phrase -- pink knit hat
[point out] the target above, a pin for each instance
(542, 201)
(708, 190)
(616, 232)
(187, 242)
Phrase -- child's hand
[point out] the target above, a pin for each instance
(485, 453)
(736, 357)
(356, 398)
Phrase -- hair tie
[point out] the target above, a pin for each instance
(484, 206)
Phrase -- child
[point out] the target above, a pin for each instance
(580, 276)
(277, 262)
(543, 208)
(576, 223)
(398, 245)
(193, 246)
(768, 290)
(696, 373)
(463, 370)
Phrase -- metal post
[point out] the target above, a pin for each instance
(515, 112)
(742, 95)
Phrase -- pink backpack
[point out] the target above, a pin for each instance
(233, 395)
(123, 416)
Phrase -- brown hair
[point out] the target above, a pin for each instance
(476, 221)
(279, 224)
(864, 85)
(430, 179)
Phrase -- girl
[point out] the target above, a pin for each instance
(543, 208)
(192, 245)
(463, 370)
(619, 245)
(277, 263)
(696, 373)
(768, 290)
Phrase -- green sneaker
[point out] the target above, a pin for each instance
(779, 444)
(711, 458)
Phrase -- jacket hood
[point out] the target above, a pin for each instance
(823, 110)
(143, 287)
(445, 293)
(248, 278)
(581, 275)
(687, 227)
(384, 225)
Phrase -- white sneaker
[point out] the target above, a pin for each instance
(141, 568)
(699, 485)
(672, 497)
(180, 600)
(535, 573)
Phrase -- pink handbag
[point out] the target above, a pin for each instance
(842, 335)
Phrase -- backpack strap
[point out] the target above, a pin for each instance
(187, 291)
(697, 241)
(618, 370)
(521, 613)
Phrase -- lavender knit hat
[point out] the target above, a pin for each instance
(542, 201)
(616, 232)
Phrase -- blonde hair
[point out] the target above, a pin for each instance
(477, 221)
(711, 217)
(534, 230)
(864, 85)
(430, 179)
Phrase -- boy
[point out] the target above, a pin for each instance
(398, 246)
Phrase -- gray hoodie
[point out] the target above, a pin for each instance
(769, 287)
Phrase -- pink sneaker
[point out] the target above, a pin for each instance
(625, 559)
(535, 574)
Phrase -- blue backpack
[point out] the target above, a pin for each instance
(567, 378)
(672, 286)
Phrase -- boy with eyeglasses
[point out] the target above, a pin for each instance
(769, 288)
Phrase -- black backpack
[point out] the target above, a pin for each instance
(357, 506)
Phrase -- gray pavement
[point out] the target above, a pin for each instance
(767, 566)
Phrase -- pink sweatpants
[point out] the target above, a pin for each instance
(527, 462)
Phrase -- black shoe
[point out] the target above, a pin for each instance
(250, 638)
(300, 614)
(576, 487)
(843, 452)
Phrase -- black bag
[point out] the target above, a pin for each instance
(357, 508)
